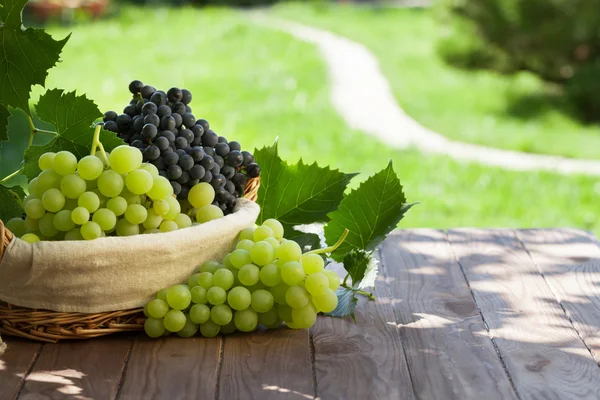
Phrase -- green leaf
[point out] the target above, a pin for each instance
(10, 202)
(369, 213)
(4, 115)
(297, 194)
(26, 56)
(362, 268)
(346, 304)
(72, 117)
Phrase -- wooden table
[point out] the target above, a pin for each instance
(463, 314)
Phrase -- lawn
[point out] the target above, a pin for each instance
(518, 112)
(255, 84)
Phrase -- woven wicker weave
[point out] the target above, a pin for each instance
(52, 326)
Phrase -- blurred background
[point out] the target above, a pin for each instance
(515, 75)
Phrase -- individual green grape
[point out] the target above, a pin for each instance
(162, 294)
(183, 221)
(239, 298)
(239, 258)
(31, 225)
(35, 209)
(273, 242)
(45, 160)
(74, 234)
(168, 226)
(227, 262)
(62, 221)
(105, 218)
(209, 266)
(161, 188)
(244, 244)
(198, 294)
(297, 297)
(150, 168)
(221, 314)
(199, 313)
(30, 197)
(90, 168)
(152, 221)
(292, 273)
(279, 293)
(262, 301)
(161, 207)
(285, 312)
(201, 194)
(193, 281)
(90, 201)
(249, 275)
(205, 279)
(316, 284)
(327, 302)
(334, 279)
(261, 253)
(34, 188)
(262, 232)
(270, 275)
(223, 278)
(110, 183)
(139, 181)
(145, 311)
(246, 320)
(312, 263)
(124, 159)
(209, 329)
(158, 308)
(91, 230)
(124, 228)
(64, 163)
(80, 215)
(304, 317)
(136, 214)
(174, 320)
(48, 179)
(174, 209)
(53, 200)
(216, 295)
(247, 234)
(154, 327)
(72, 186)
(189, 329)
(229, 328)
(270, 319)
(288, 250)
(30, 238)
(179, 297)
(208, 213)
(117, 205)
(46, 225)
(276, 227)
(16, 226)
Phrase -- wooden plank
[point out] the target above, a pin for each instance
(449, 352)
(569, 259)
(87, 368)
(15, 364)
(542, 352)
(267, 365)
(171, 368)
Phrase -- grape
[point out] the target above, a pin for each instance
(91, 230)
(229, 328)
(162, 294)
(239, 298)
(30, 238)
(152, 221)
(334, 279)
(198, 294)
(288, 250)
(80, 215)
(110, 183)
(161, 188)
(245, 244)
(209, 329)
(201, 195)
(200, 313)
(273, 242)
(270, 319)
(193, 281)
(31, 225)
(124, 228)
(16, 226)
(48, 179)
(174, 172)
(253, 170)
(157, 308)
(183, 221)
(209, 266)
(247, 234)
(73, 234)
(261, 253)
(279, 293)
(136, 214)
(168, 226)
(34, 188)
(90, 168)
(276, 227)
(35, 209)
(174, 94)
(174, 320)
(249, 275)
(154, 327)
(317, 284)
(246, 320)
(205, 279)
(135, 86)
(139, 181)
(235, 158)
(62, 221)
(221, 314)
(174, 208)
(327, 302)
(53, 200)
(189, 329)
(312, 263)
(46, 225)
(124, 159)
(208, 213)
(297, 297)
(262, 301)
(179, 297)
(64, 163)
(292, 273)
(89, 201)
(216, 295)
(72, 186)
(118, 205)
(270, 275)
(45, 160)
(105, 218)
(161, 207)
(149, 168)
(304, 317)
(223, 278)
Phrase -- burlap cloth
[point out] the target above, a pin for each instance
(113, 273)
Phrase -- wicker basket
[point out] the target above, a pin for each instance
(52, 326)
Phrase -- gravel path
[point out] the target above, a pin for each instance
(362, 95)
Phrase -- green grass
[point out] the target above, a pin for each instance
(510, 112)
(255, 84)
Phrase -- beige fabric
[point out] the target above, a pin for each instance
(2, 347)
(113, 273)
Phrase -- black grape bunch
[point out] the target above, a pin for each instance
(184, 149)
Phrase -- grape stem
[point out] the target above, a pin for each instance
(368, 295)
(97, 144)
(35, 130)
(17, 172)
(331, 249)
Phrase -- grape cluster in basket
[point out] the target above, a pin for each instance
(265, 280)
(183, 149)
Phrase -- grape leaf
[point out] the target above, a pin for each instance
(346, 304)
(4, 115)
(72, 117)
(362, 268)
(369, 213)
(297, 194)
(26, 56)
(10, 202)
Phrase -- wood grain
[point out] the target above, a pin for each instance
(542, 352)
(449, 353)
(15, 363)
(88, 369)
(273, 364)
(171, 368)
(569, 259)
